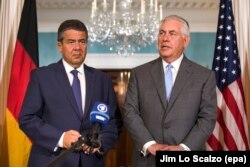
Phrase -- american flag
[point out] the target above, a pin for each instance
(231, 129)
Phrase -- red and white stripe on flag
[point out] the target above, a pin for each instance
(231, 129)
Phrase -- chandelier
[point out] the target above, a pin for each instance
(123, 29)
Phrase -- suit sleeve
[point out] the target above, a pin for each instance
(30, 118)
(111, 131)
(132, 116)
(206, 116)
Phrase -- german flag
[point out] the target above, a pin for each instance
(25, 58)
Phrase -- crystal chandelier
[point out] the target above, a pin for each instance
(121, 28)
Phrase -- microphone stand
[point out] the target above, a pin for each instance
(77, 146)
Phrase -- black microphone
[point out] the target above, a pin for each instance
(99, 117)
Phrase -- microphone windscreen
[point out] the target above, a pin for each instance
(100, 113)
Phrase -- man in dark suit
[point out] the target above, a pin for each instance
(171, 101)
(52, 117)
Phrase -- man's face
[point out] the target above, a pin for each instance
(73, 47)
(171, 41)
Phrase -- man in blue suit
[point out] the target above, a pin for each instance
(51, 116)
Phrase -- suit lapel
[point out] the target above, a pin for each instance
(157, 74)
(89, 88)
(183, 75)
(62, 78)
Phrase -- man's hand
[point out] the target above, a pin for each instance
(157, 147)
(89, 150)
(70, 137)
(174, 148)
(163, 147)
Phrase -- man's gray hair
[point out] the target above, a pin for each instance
(185, 25)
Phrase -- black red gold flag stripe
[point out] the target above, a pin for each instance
(25, 59)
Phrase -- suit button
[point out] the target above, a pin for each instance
(165, 125)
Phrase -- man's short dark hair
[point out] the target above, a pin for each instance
(71, 24)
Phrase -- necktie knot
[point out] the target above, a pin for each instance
(169, 67)
(168, 80)
(74, 72)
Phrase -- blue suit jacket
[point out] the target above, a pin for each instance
(49, 109)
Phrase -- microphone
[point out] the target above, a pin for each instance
(99, 117)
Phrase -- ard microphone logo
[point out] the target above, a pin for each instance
(100, 113)
(102, 108)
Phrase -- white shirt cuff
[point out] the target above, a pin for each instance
(146, 146)
(185, 148)
(60, 143)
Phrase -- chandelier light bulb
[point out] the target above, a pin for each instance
(123, 29)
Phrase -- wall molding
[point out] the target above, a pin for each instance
(112, 61)
(167, 4)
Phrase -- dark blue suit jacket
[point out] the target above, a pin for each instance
(49, 109)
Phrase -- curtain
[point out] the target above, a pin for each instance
(10, 13)
(241, 10)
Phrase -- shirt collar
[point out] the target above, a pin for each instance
(176, 64)
(69, 68)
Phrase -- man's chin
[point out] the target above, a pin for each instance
(164, 55)
(78, 61)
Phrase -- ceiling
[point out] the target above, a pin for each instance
(201, 14)
(167, 4)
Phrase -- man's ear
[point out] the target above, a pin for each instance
(187, 40)
(59, 46)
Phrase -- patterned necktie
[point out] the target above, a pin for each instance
(77, 90)
(168, 80)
